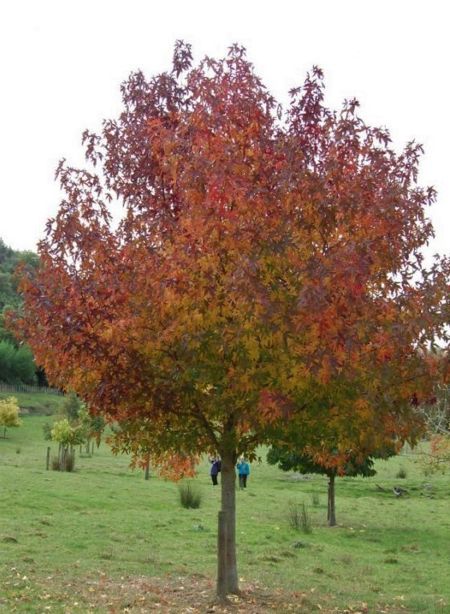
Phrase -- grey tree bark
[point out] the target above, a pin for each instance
(331, 501)
(227, 577)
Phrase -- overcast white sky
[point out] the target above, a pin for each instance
(62, 61)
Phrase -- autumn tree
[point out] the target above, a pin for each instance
(264, 257)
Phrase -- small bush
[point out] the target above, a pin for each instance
(401, 474)
(293, 515)
(190, 495)
(305, 520)
(64, 462)
(315, 499)
(299, 518)
(18, 450)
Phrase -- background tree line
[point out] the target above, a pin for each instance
(16, 359)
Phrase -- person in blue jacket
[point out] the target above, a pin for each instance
(216, 465)
(243, 469)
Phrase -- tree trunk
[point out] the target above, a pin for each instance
(222, 556)
(331, 502)
(227, 577)
(62, 462)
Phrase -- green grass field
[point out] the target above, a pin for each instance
(102, 539)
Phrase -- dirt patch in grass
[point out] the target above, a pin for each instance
(170, 595)
(175, 595)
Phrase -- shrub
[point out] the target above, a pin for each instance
(401, 474)
(315, 499)
(305, 519)
(299, 518)
(190, 495)
(293, 514)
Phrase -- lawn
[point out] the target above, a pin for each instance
(102, 539)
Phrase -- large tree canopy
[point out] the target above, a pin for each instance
(266, 260)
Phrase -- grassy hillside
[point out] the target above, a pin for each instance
(36, 403)
(102, 539)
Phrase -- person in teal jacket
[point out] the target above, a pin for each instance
(243, 469)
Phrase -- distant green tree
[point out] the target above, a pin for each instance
(24, 365)
(16, 364)
(16, 361)
(91, 426)
(9, 259)
(71, 407)
(7, 351)
(289, 460)
(96, 427)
